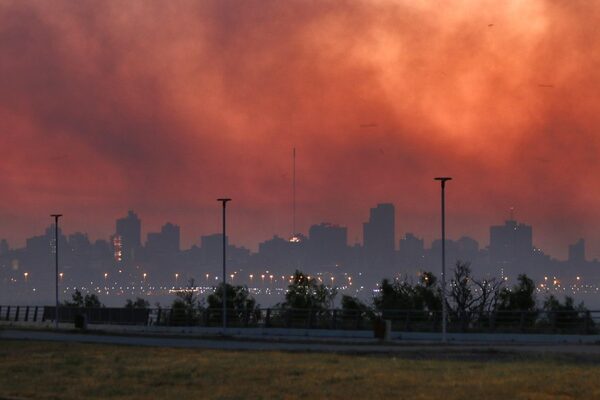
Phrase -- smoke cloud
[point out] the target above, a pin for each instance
(164, 106)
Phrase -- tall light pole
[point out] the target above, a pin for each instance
(444, 307)
(224, 296)
(56, 217)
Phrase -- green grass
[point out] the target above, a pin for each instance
(43, 370)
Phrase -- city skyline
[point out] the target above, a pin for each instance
(149, 237)
(166, 108)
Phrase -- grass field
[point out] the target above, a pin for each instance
(43, 370)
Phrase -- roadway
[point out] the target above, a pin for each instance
(408, 349)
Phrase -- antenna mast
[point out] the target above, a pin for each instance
(294, 192)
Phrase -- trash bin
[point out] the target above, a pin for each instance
(379, 328)
(81, 321)
(382, 329)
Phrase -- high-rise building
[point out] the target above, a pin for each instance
(379, 237)
(212, 249)
(411, 252)
(511, 243)
(468, 249)
(167, 241)
(577, 252)
(128, 237)
(327, 245)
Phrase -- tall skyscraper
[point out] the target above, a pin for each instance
(511, 244)
(327, 245)
(128, 236)
(379, 237)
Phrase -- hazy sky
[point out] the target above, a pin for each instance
(163, 106)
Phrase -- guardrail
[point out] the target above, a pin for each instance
(540, 321)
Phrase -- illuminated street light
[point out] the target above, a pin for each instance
(224, 295)
(443, 181)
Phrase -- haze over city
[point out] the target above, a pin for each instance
(269, 199)
(162, 108)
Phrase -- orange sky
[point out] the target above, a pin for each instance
(164, 106)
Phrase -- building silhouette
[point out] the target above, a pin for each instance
(128, 238)
(327, 245)
(411, 252)
(577, 252)
(511, 245)
(166, 242)
(379, 238)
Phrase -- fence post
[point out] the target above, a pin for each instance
(8, 313)
(334, 319)
(35, 313)
(492, 318)
(586, 324)
(17, 314)
(27, 314)
(522, 322)
(268, 318)
(158, 315)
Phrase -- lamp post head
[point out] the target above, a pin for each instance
(56, 215)
(224, 201)
(443, 180)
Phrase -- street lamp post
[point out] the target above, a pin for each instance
(224, 295)
(56, 217)
(444, 306)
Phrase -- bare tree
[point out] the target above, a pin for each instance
(471, 299)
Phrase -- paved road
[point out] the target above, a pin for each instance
(421, 350)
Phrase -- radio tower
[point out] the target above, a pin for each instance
(294, 238)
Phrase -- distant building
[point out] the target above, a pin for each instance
(379, 237)
(212, 249)
(327, 245)
(128, 238)
(282, 256)
(4, 247)
(577, 252)
(468, 249)
(452, 253)
(411, 251)
(166, 242)
(511, 243)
